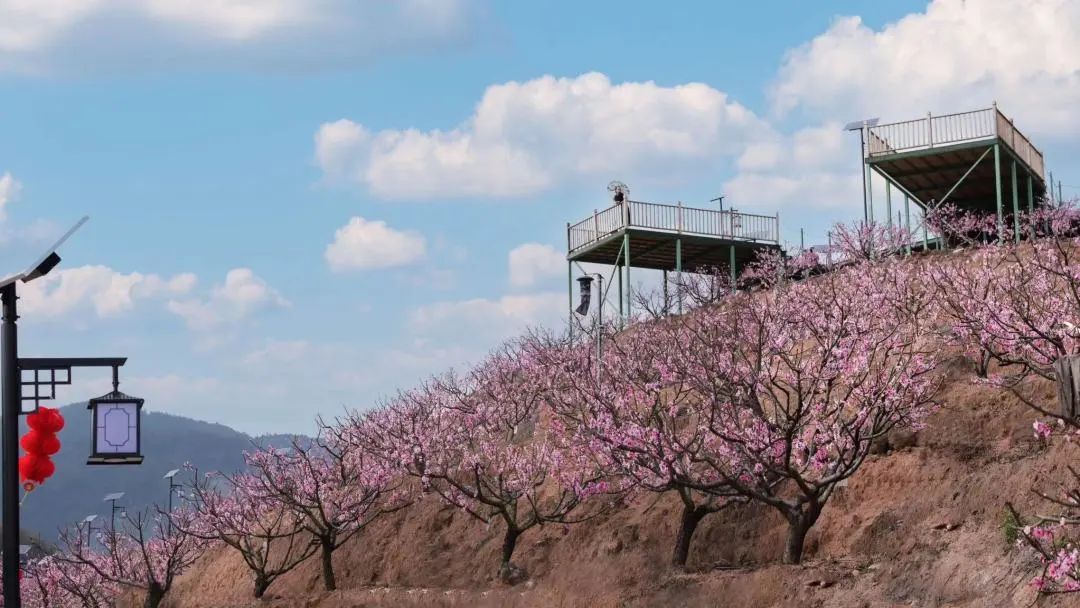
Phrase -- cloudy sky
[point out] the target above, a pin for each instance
(299, 205)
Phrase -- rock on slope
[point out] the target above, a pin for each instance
(921, 524)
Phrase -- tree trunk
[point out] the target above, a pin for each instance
(799, 523)
(154, 595)
(690, 520)
(509, 543)
(261, 585)
(329, 582)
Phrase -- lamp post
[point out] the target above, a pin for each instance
(171, 476)
(583, 309)
(89, 522)
(863, 127)
(26, 380)
(112, 498)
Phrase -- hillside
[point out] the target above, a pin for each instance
(169, 441)
(921, 524)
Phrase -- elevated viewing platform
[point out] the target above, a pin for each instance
(670, 237)
(974, 160)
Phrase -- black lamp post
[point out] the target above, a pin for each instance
(89, 522)
(28, 381)
(171, 476)
(113, 498)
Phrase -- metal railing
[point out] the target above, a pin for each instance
(675, 219)
(925, 133)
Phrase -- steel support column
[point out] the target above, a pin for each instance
(678, 272)
(1031, 194)
(731, 265)
(907, 222)
(629, 286)
(888, 204)
(9, 468)
(1015, 203)
(997, 189)
(570, 298)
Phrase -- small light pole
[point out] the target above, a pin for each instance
(89, 522)
(583, 309)
(171, 476)
(113, 498)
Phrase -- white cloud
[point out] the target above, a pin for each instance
(531, 263)
(490, 319)
(43, 35)
(816, 167)
(109, 292)
(9, 190)
(524, 137)
(955, 56)
(370, 244)
(242, 294)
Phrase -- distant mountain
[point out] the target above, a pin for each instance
(168, 441)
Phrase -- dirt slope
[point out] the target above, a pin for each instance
(921, 524)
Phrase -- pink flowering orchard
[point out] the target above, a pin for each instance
(333, 488)
(817, 370)
(231, 509)
(637, 416)
(480, 443)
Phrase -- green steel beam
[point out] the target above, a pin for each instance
(888, 177)
(967, 173)
(885, 158)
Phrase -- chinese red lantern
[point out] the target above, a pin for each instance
(39, 443)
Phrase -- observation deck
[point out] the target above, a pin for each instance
(976, 161)
(670, 237)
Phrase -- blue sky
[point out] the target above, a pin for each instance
(300, 205)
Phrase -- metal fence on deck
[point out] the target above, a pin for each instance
(676, 219)
(932, 131)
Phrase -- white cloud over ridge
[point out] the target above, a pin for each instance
(525, 137)
(532, 263)
(370, 244)
(88, 35)
(108, 292)
(955, 56)
(9, 191)
(242, 294)
(491, 319)
(815, 167)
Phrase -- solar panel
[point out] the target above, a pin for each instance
(114, 496)
(46, 261)
(859, 124)
(171, 474)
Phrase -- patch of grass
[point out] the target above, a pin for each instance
(1010, 527)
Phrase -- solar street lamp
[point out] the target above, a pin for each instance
(863, 126)
(113, 498)
(33, 380)
(88, 521)
(585, 283)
